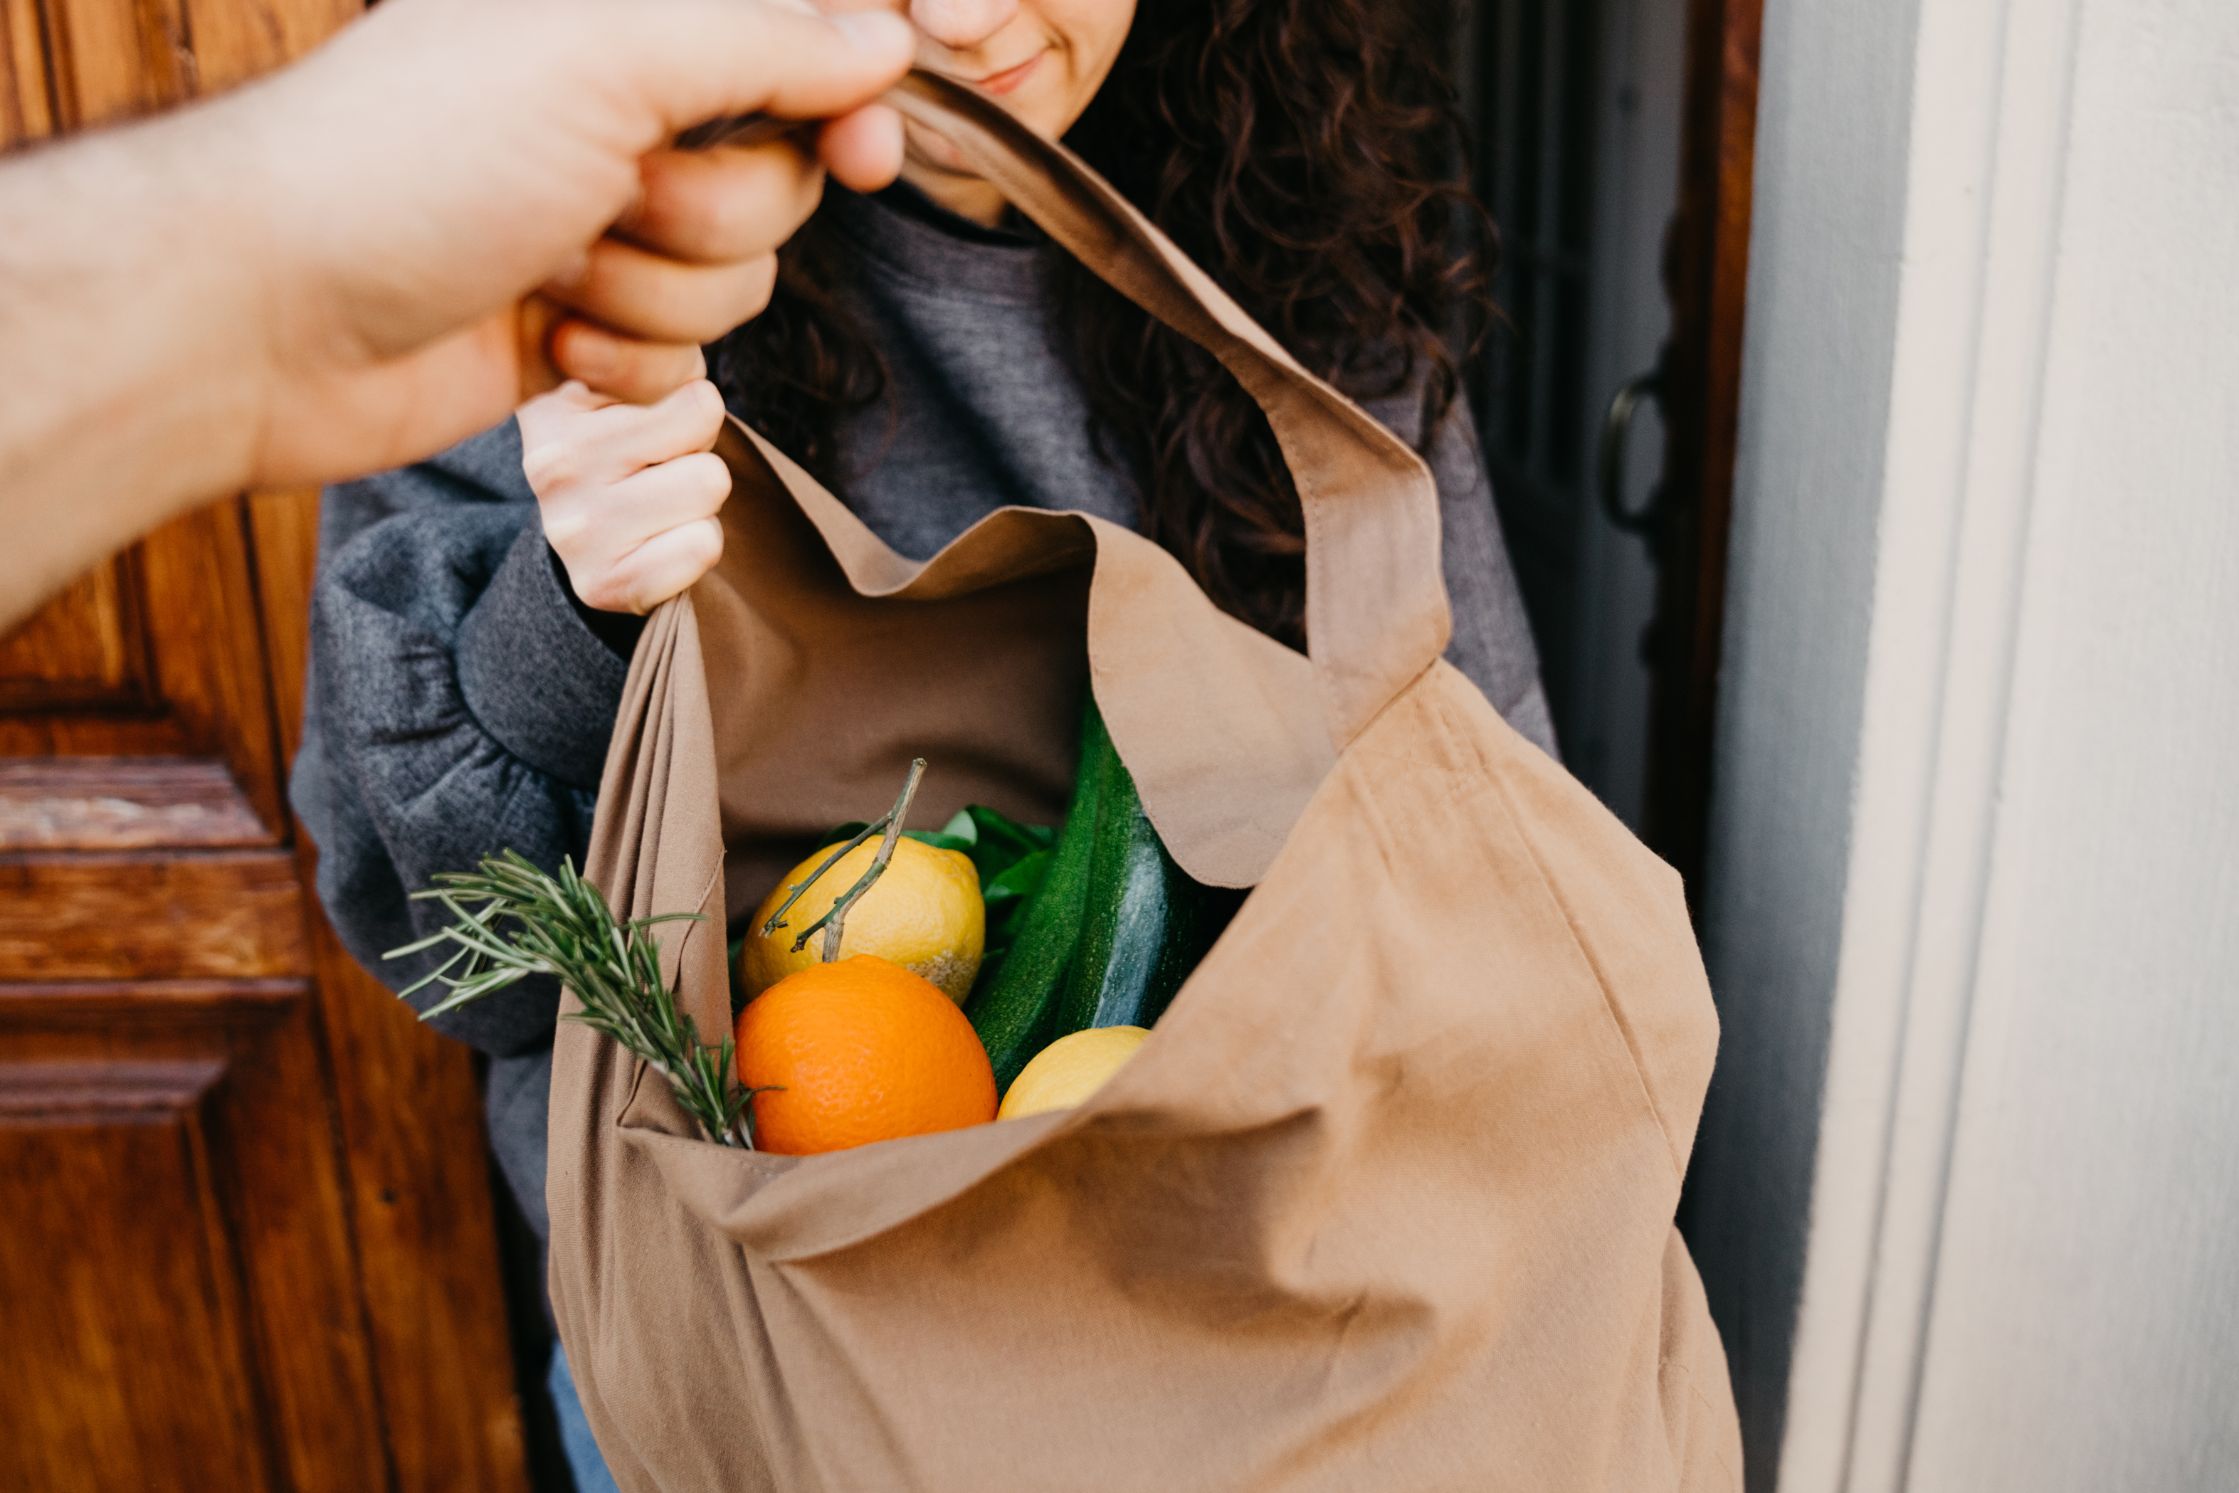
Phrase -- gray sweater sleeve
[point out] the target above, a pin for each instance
(458, 705)
(1492, 641)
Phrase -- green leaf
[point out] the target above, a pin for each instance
(1006, 838)
(1006, 897)
(1016, 882)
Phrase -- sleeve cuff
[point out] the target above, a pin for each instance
(541, 682)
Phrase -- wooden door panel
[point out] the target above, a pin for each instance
(237, 39)
(119, 1389)
(257, 1247)
(113, 59)
(175, 1261)
(408, 1101)
(122, 803)
(1707, 281)
(142, 896)
(87, 649)
(204, 693)
(159, 915)
(26, 109)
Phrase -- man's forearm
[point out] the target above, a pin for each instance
(129, 343)
(321, 274)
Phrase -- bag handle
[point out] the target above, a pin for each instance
(1376, 607)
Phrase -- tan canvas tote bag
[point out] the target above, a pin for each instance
(1386, 1201)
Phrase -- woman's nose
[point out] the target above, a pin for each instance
(959, 24)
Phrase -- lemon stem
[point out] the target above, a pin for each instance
(794, 892)
(835, 918)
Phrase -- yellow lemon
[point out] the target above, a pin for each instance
(924, 913)
(1070, 1069)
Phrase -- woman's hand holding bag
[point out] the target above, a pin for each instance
(628, 494)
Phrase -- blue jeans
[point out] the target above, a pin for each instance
(576, 1441)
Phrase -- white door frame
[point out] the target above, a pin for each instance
(1949, 206)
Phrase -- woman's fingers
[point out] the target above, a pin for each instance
(554, 409)
(576, 442)
(672, 494)
(624, 439)
(665, 565)
(628, 368)
(553, 456)
(575, 436)
(613, 537)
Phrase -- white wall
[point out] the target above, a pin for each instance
(1974, 912)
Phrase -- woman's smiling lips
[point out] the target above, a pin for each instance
(1009, 79)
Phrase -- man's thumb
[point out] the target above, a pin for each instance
(697, 60)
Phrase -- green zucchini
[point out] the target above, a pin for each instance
(1144, 923)
(1015, 1013)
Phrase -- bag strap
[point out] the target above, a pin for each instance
(1376, 607)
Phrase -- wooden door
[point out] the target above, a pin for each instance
(1699, 386)
(247, 1240)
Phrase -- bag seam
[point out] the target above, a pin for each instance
(643, 1067)
(1493, 779)
(1695, 1391)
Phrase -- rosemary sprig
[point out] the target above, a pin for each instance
(512, 920)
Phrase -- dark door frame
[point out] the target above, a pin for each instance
(1706, 281)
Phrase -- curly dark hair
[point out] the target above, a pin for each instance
(1308, 153)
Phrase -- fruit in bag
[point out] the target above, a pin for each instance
(923, 913)
(1069, 1070)
(857, 1051)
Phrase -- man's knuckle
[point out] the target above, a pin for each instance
(706, 546)
(706, 477)
(729, 221)
(707, 408)
(760, 283)
(662, 304)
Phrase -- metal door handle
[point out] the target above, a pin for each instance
(1617, 428)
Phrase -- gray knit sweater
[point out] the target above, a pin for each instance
(460, 703)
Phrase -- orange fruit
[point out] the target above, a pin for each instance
(923, 913)
(857, 1051)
